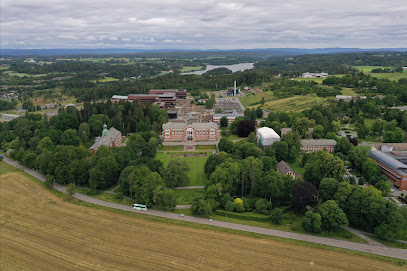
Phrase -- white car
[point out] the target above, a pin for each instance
(210, 220)
(181, 215)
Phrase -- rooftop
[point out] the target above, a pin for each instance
(119, 97)
(283, 167)
(267, 132)
(318, 142)
(389, 161)
(195, 125)
(105, 140)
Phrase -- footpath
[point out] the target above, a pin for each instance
(378, 250)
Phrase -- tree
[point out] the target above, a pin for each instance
(318, 131)
(370, 171)
(224, 122)
(300, 126)
(277, 216)
(49, 181)
(45, 144)
(327, 188)
(238, 205)
(259, 112)
(262, 206)
(342, 193)
(303, 194)
(229, 206)
(104, 173)
(280, 148)
(84, 133)
(70, 137)
(312, 222)
(176, 173)
(245, 127)
(383, 185)
(144, 188)
(323, 165)
(225, 145)
(332, 216)
(252, 138)
(201, 207)
(343, 146)
(358, 155)
(70, 190)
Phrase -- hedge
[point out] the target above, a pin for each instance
(243, 216)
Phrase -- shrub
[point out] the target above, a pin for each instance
(277, 216)
(263, 206)
(49, 181)
(230, 206)
(239, 205)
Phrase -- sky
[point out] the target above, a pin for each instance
(185, 24)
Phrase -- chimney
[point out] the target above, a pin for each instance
(234, 88)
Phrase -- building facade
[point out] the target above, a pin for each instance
(190, 132)
(109, 138)
(313, 145)
(179, 93)
(394, 170)
(231, 115)
(266, 137)
(284, 168)
(314, 75)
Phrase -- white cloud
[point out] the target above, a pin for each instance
(183, 24)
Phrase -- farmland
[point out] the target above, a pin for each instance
(391, 76)
(44, 232)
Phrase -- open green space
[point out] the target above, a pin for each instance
(389, 243)
(394, 76)
(106, 79)
(296, 165)
(171, 148)
(205, 147)
(318, 80)
(191, 69)
(4, 68)
(104, 196)
(292, 223)
(368, 68)
(196, 165)
(4, 168)
(186, 196)
(348, 92)
(369, 122)
(19, 74)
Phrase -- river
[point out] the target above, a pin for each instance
(233, 68)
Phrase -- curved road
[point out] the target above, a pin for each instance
(383, 251)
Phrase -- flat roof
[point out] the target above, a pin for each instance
(195, 125)
(318, 142)
(119, 97)
(267, 132)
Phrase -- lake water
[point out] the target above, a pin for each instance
(233, 68)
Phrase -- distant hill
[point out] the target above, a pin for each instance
(266, 51)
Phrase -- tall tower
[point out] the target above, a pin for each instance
(105, 131)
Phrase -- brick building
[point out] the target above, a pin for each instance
(190, 132)
(162, 100)
(110, 138)
(179, 93)
(394, 170)
(313, 145)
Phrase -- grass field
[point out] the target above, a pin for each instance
(5, 168)
(348, 91)
(171, 148)
(296, 165)
(40, 231)
(191, 69)
(18, 74)
(391, 76)
(206, 147)
(186, 196)
(196, 165)
(368, 68)
(318, 80)
(389, 243)
(106, 79)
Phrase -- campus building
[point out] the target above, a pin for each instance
(179, 93)
(266, 137)
(162, 100)
(109, 138)
(190, 132)
(394, 170)
(313, 145)
(231, 115)
(314, 75)
(284, 168)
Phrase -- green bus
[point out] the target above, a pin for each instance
(140, 207)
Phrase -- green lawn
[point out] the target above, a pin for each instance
(348, 91)
(368, 68)
(296, 165)
(196, 165)
(206, 147)
(391, 76)
(4, 168)
(186, 196)
(389, 243)
(369, 122)
(292, 223)
(106, 79)
(104, 196)
(191, 69)
(4, 68)
(171, 148)
(18, 74)
(318, 80)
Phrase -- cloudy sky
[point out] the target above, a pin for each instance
(185, 24)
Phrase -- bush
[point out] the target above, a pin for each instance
(263, 206)
(201, 207)
(239, 205)
(230, 206)
(361, 181)
(225, 133)
(277, 216)
(49, 181)
(70, 189)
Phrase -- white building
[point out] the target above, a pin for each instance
(266, 137)
(314, 75)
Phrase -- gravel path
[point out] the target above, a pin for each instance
(384, 251)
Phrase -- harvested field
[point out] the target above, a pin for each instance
(40, 231)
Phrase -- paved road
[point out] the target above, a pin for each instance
(362, 235)
(384, 251)
(189, 187)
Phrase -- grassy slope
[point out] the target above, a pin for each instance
(66, 236)
(186, 196)
(196, 164)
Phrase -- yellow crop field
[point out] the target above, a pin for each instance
(40, 231)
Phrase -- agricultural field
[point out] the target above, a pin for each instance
(196, 165)
(391, 76)
(106, 79)
(318, 80)
(18, 74)
(41, 231)
(368, 68)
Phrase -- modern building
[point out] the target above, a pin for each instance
(313, 145)
(179, 93)
(231, 115)
(314, 75)
(162, 100)
(116, 98)
(266, 137)
(346, 98)
(110, 138)
(190, 132)
(394, 170)
(284, 168)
